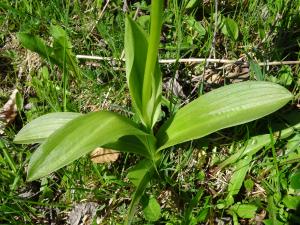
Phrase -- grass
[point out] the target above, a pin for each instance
(190, 191)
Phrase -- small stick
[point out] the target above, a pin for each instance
(194, 60)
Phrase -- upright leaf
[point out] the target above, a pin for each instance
(151, 208)
(62, 49)
(136, 45)
(230, 28)
(152, 77)
(224, 107)
(77, 138)
(255, 68)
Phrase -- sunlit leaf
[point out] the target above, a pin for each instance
(37, 45)
(292, 202)
(151, 208)
(62, 50)
(295, 180)
(221, 108)
(41, 128)
(136, 45)
(77, 138)
(246, 211)
(136, 173)
(230, 28)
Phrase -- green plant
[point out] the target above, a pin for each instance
(65, 137)
(59, 54)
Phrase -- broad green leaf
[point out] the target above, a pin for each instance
(37, 45)
(136, 45)
(130, 143)
(291, 202)
(62, 49)
(136, 173)
(285, 75)
(221, 108)
(195, 25)
(142, 145)
(41, 128)
(77, 138)
(246, 211)
(295, 180)
(230, 28)
(140, 175)
(293, 143)
(151, 209)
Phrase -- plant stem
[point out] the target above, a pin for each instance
(154, 39)
(65, 80)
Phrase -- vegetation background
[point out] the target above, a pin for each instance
(205, 181)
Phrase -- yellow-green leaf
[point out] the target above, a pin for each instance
(136, 46)
(77, 138)
(41, 128)
(221, 108)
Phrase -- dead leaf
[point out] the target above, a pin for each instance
(174, 86)
(83, 213)
(103, 155)
(8, 112)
